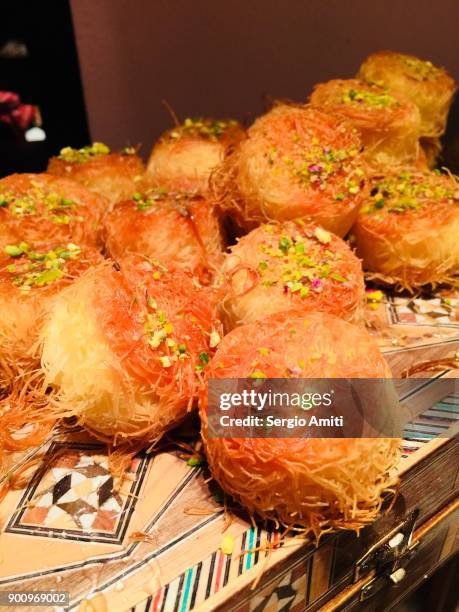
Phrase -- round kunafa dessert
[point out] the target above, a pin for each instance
(44, 208)
(389, 124)
(316, 484)
(185, 156)
(296, 162)
(407, 231)
(181, 228)
(30, 277)
(294, 264)
(113, 175)
(124, 348)
(429, 87)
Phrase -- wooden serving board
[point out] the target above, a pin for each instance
(67, 529)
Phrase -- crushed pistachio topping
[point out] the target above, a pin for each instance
(19, 207)
(196, 462)
(372, 99)
(204, 359)
(163, 334)
(302, 264)
(38, 269)
(322, 235)
(145, 201)
(128, 151)
(374, 297)
(315, 165)
(214, 339)
(160, 335)
(418, 68)
(56, 206)
(257, 374)
(406, 191)
(227, 545)
(212, 129)
(81, 155)
(165, 361)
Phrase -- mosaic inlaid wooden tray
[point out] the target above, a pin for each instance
(68, 529)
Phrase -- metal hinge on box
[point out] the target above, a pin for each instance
(387, 558)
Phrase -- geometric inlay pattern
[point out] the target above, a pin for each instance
(72, 496)
(424, 311)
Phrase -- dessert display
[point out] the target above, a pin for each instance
(319, 244)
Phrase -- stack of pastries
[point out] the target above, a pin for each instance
(122, 293)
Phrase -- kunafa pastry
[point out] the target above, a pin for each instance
(291, 265)
(389, 124)
(178, 227)
(25, 423)
(125, 348)
(407, 231)
(116, 289)
(429, 87)
(296, 162)
(30, 277)
(185, 156)
(41, 207)
(314, 483)
(113, 175)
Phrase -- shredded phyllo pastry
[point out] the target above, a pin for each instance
(296, 161)
(313, 484)
(185, 156)
(291, 264)
(125, 349)
(113, 175)
(407, 230)
(180, 226)
(389, 123)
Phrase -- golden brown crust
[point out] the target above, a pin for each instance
(411, 238)
(185, 156)
(291, 265)
(114, 176)
(389, 124)
(431, 148)
(124, 348)
(45, 208)
(179, 228)
(429, 87)
(296, 162)
(29, 280)
(316, 484)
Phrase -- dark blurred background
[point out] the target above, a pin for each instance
(38, 61)
(228, 58)
(204, 58)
